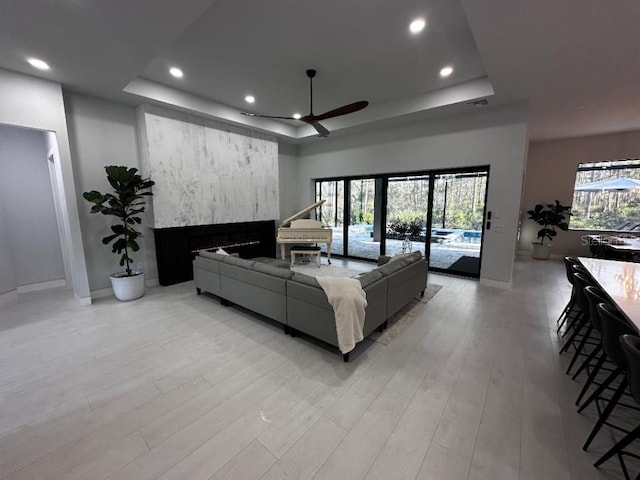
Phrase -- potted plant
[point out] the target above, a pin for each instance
(550, 216)
(406, 231)
(125, 204)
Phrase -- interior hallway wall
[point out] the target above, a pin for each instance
(34, 103)
(551, 175)
(7, 277)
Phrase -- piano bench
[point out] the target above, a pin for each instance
(305, 250)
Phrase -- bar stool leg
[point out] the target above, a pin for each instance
(607, 411)
(618, 447)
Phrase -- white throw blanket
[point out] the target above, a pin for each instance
(348, 300)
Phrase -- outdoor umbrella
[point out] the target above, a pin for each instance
(621, 184)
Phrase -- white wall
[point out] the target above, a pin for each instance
(27, 200)
(551, 175)
(103, 133)
(496, 137)
(30, 102)
(7, 269)
(290, 189)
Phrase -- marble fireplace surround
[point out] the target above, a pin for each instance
(215, 185)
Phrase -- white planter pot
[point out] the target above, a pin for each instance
(127, 288)
(540, 252)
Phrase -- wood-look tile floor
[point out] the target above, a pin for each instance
(176, 386)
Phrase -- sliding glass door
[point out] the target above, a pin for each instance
(407, 207)
(457, 215)
(439, 213)
(362, 218)
(331, 213)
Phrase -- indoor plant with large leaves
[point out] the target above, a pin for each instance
(550, 216)
(125, 204)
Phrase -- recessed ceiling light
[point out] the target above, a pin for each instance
(297, 116)
(250, 99)
(446, 71)
(176, 72)
(417, 25)
(39, 64)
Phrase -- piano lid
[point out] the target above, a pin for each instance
(302, 212)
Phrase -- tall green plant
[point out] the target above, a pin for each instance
(550, 217)
(125, 203)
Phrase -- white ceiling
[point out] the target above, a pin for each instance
(555, 55)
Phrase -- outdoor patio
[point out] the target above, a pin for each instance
(443, 255)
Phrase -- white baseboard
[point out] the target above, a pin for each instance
(34, 287)
(8, 296)
(84, 301)
(494, 283)
(102, 293)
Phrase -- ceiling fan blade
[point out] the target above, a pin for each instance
(322, 132)
(344, 110)
(267, 116)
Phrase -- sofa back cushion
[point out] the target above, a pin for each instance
(240, 262)
(204, 263)
(271, 270)
(212, 255)
(368, 278)
(249, 278)
(399, 263)
(305, 279)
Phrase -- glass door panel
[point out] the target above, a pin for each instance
(456, 222)
(362, 197)
(331, 213)
(407, 207)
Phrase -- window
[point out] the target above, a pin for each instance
(606, 196)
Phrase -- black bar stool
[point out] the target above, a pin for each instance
(585, 325)
(613, 327)
(571, 308)
(594, 296)
(631, 349)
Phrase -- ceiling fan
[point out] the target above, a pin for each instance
(314, 120)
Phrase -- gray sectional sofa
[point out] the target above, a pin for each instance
(267, 286)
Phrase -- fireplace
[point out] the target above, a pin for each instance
(176, 247)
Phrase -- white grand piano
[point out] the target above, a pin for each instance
(304, 230)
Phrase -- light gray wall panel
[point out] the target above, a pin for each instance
(289, 187)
